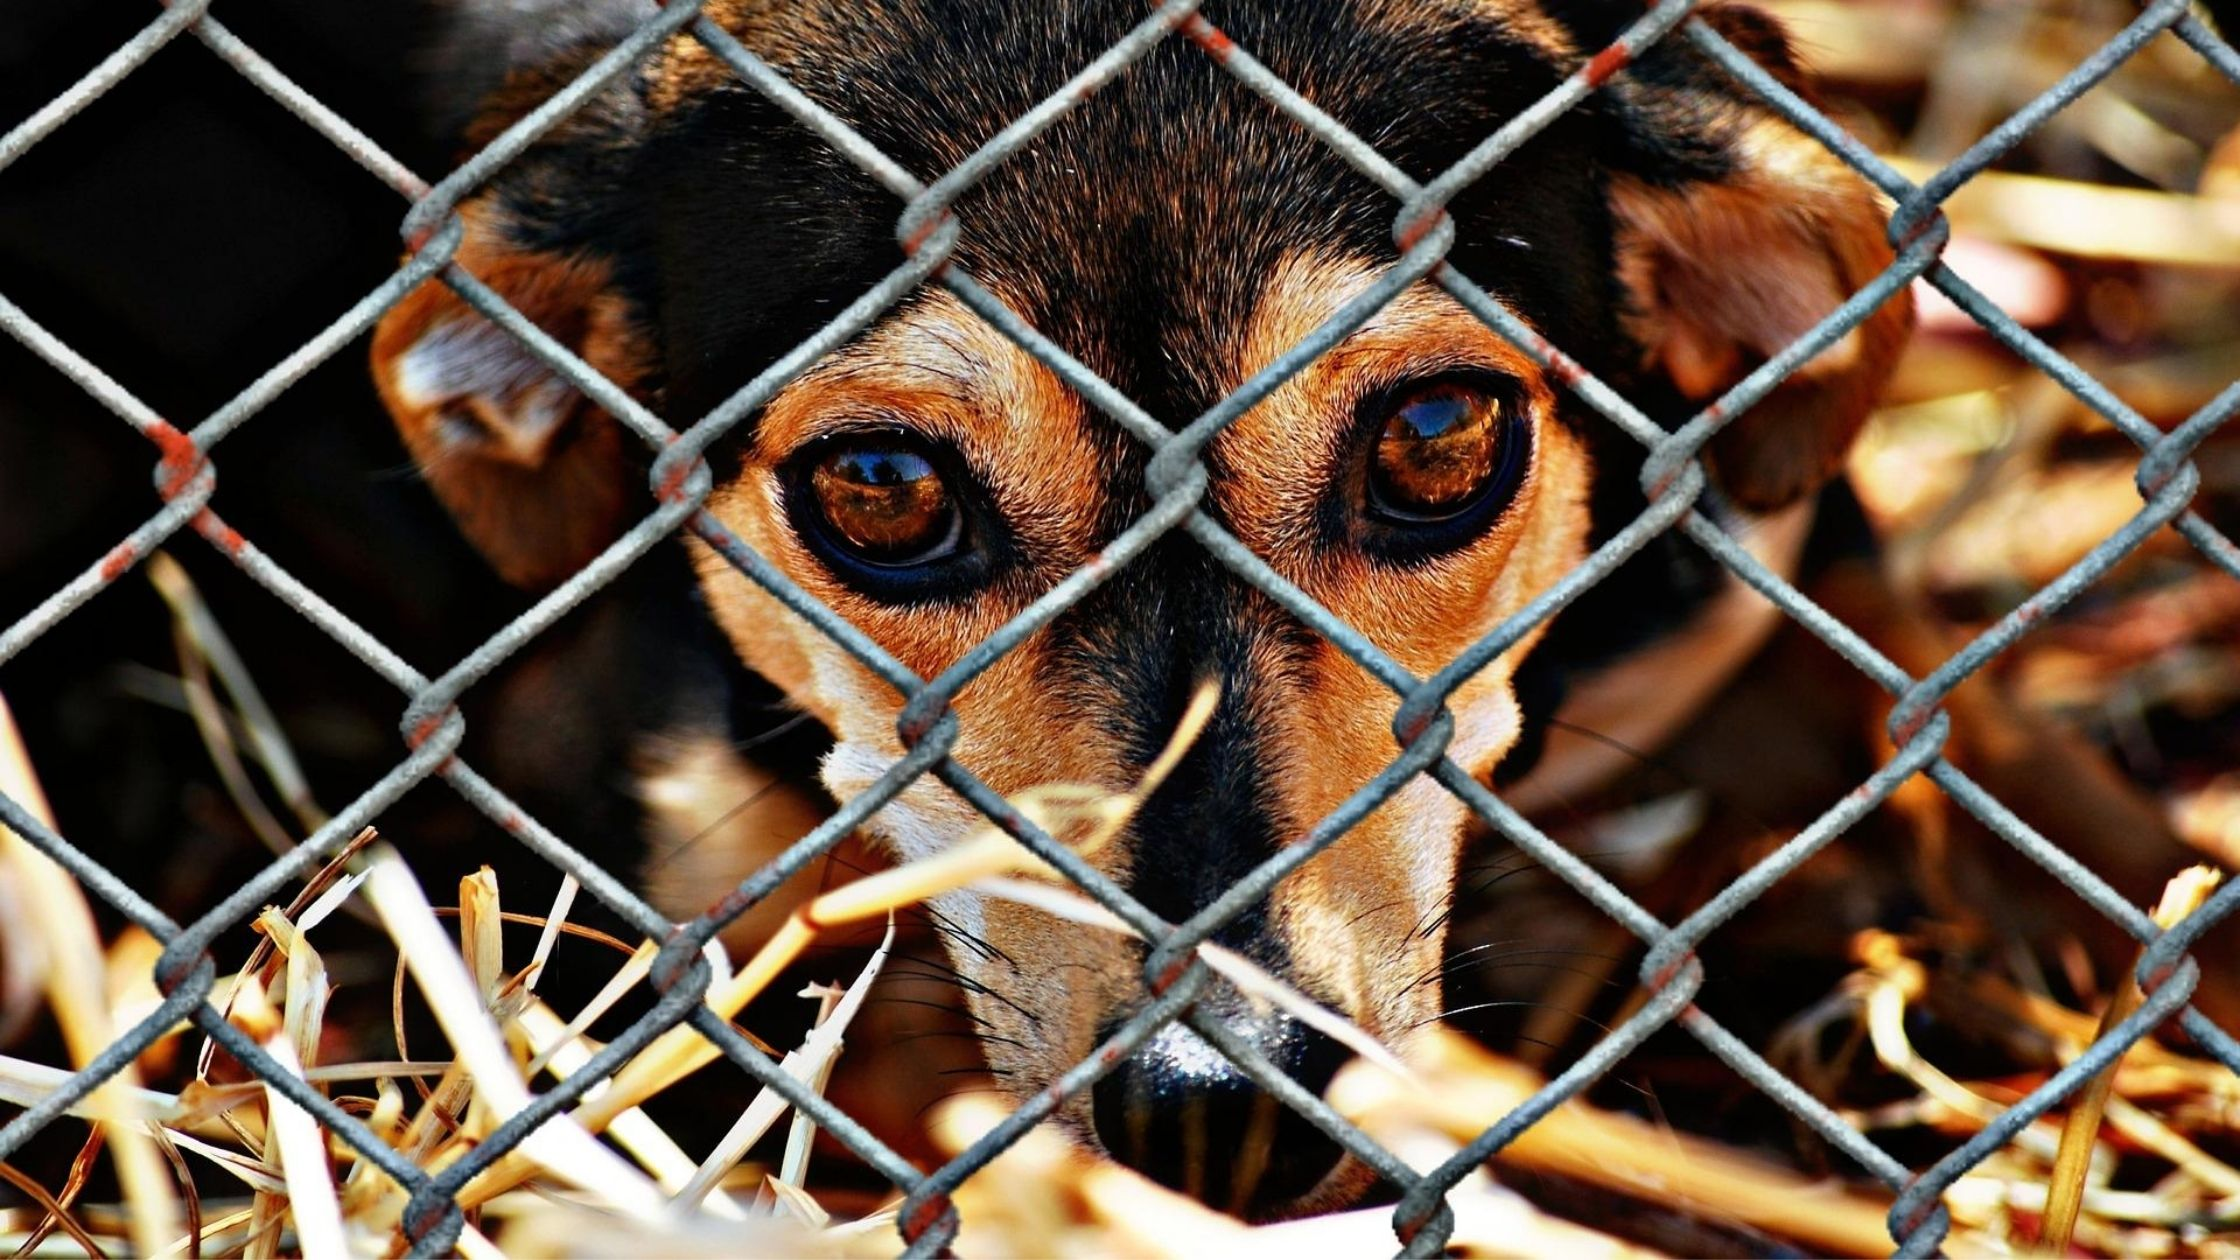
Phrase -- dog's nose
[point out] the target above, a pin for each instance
(1179, 1112)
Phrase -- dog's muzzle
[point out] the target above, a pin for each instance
(1181, 1113)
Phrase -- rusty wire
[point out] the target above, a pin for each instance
(928, 229)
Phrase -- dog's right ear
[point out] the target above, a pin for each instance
(537, 476)
(479, 45)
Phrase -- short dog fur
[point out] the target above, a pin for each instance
(1423, 480)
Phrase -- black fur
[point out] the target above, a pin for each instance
(1147, 639)
(1138, 233)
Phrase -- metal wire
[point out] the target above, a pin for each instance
(928, 227)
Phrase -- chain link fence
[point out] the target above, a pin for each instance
(187, 473)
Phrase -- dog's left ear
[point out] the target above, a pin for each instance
(1736, 234)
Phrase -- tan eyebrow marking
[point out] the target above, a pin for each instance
(942, 371)
(1286, 451)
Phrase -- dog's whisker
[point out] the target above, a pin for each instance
(1679, 777)
(1529, 964)
(785, 727)
(1529, 947)
(718, 823)
(1433, 922)
(937, 974)
(1374, 910)
(957, 1034)
(1473, 1008)
(893, 999)
(1515, 863)
(1435, 969)
(1508, 860)
(978, 944)
(1529, 958)
(1513, 1004)
(929, 977)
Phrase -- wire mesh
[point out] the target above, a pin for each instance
(928, 229)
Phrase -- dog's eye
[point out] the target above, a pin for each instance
(884, 502)
(1441, 452)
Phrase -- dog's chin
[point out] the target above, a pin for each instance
(1345, 1186)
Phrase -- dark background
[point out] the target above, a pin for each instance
(185, 233)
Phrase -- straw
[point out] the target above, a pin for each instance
(2080, 1129)
(56, 913)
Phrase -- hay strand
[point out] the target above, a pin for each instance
(2080, 1129)
(56, 914)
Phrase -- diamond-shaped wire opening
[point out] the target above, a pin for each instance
(188, 482)
(1837, 324)
(2164, 485)
(924, 1219)
(2163, 479)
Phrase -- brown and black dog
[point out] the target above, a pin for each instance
(1424, 479)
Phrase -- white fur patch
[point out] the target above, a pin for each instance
(468, 358)
(1484, 728)
(963, 911)
(917, 824)
(462, 357)
(1432, 841)
(922, 821)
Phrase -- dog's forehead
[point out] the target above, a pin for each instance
(1141, 231)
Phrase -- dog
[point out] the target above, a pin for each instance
(1424, 479)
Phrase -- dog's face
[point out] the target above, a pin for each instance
(1423, 480)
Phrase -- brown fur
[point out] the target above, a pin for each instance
(1719, 276)
(539, 506)
(1814, 237)
(1333, 724)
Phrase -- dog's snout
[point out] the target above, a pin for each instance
(1181, 1113)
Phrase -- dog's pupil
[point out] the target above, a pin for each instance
(1437, 450)
(890, 505)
